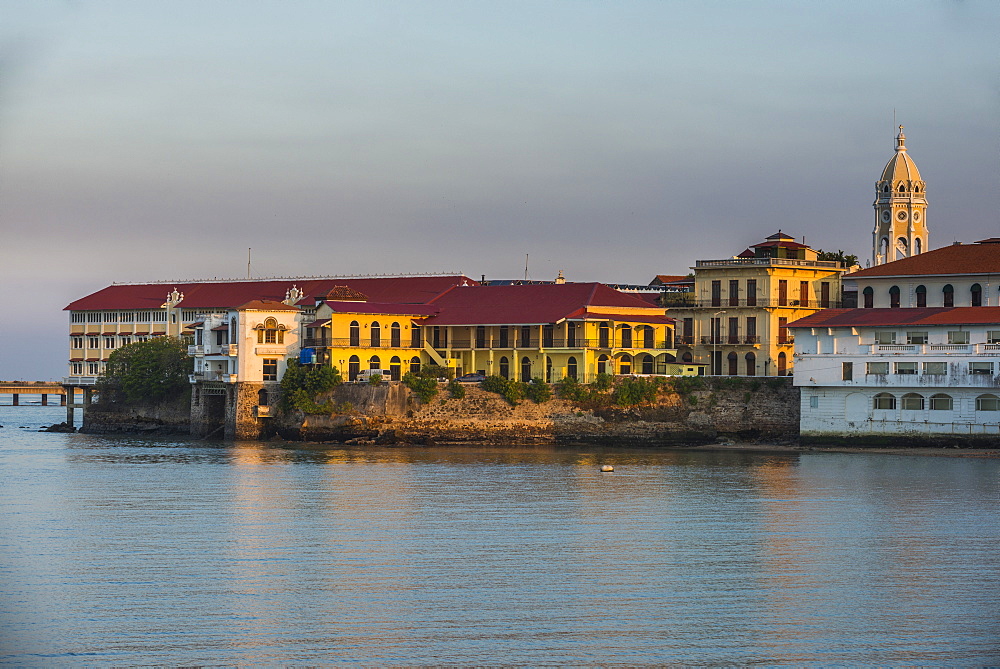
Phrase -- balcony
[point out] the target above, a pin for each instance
(196, 349)
(230, 349)
(770, 262)
(79, 380)
(212, 376)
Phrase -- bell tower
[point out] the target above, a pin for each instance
(900, 209)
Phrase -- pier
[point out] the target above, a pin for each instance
(66, 392)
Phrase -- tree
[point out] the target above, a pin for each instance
(838, 256)
(147, 371)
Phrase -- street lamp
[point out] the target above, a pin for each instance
(716, 336)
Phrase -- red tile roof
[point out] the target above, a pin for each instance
(839, 318)
(345, 293)
(979, 258)
(530, 304)
(226, 294)
(263, 305)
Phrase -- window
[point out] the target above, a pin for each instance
(980, 368)
(504, 367)
(734, 331)
(77, 342)
(416, 337)
(752, 330)
(734, 293)
(804, 293)
(602, 364)
(782, 293)
(504, 337)
(626, 341)
(125, 340)
(751, 292)
(524, 340)
(77, 317)
(93, 368)
(948, 295)
(988, 402)
(270, 369)
(869, 297)
(782, 363)
(571, 335)
(159, 317)
(916, 337)
(571, 367)
(716, 293)
(885, 337)
(958, 337)
(77, 368)
(109, 342)
(604, 334)
(733, 363)
(525, 369)
(751, 364)
(111, 317)
(894, 297)
(884, 401)
(649, 336)
(625, 364)
(355, 336)
(127, 317)
(877, 368)
(481, 336)
(394, 337)
(847, 371)
(93, 342)
(937, 368)
(353, 367)
(548, 335)
(912, 402)
(94, 317)
(415, 365)
(906, 368)
(189, 315)
(993, 336)
(395, 366)
(783, 331)
(269, 333)
(921, 293)
(824, 295)
(814, 401)
(144, 316)
(941, 402)
(976, 295)
(376, 336)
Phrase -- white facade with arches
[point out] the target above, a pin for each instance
(886, 372)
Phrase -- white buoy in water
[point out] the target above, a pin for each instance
(607, 468)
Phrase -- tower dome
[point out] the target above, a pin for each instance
(900, 208)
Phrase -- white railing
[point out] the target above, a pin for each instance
(741, 262)
(196, 349)
(79, 380)
(230, 349)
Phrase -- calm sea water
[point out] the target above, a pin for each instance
(130, 551)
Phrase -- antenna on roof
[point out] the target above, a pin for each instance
(248, 262)
(525, 266)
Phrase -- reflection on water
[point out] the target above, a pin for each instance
(123, 551)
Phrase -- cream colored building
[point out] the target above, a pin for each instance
(900, 209)
(736, 319)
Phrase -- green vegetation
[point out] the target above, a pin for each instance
(375, 379)
(148, 371)
(603, 381)
(300, 386)
(538, 391)
(838, 256)
(631, 391)
(511, 390)
(568, 388)
(455, 389)
(424, 387)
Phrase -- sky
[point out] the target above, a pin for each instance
(144, 141)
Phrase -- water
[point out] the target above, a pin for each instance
(136, 551)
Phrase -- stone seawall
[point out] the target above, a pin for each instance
(166, 418)
(745, 409)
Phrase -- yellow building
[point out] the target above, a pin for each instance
(736, 318)
(548, 331)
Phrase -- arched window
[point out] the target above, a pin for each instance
(395, 366)
(948, 295)
(918, 246)
(941, 402)
(626, 337)
(782, 363)
(977, 295)
(751, 362)
(548, 369)
(883, 248)
(394, 338)
(504, 367)
(270, 333)
(571, 335)
(571, 367)
(912, 402)
(353, 367)
(415, 365)
(604, 335)
(376, 335)
(262, 397)
(625, 364)
(355, 334)
(525, 368)
(885, 188)
(647, 363)
(734, 362)
(884, 401)
(921, 292)
(648, 337)
(902, 188)
(869, 297)
(894, 297)
(602, 365)
(687, 357)
(988, 402)
(374, 362)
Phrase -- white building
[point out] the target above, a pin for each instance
(878, 373)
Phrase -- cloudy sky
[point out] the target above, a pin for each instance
(611, 140)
